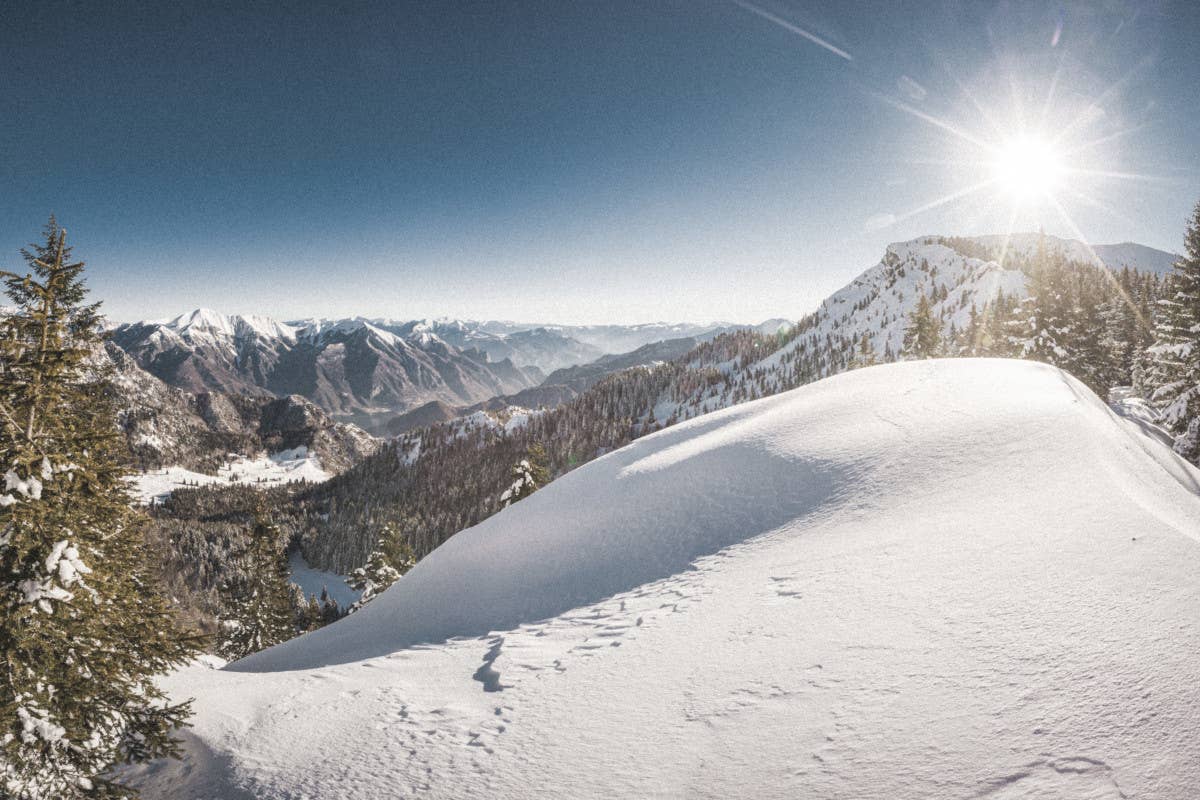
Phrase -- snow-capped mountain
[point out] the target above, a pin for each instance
(949, 578)
(539, 347)
(370, 369)
(206, 351)
(354, 368)
(877, 303)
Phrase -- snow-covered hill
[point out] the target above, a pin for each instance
(878, 302)
(959, 276)
(1114, 256)
(940, 579)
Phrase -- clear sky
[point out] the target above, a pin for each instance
(563, 161)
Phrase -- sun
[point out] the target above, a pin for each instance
(1027, 168)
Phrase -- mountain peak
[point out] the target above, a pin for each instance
(213, 323)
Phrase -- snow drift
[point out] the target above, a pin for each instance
(957, 578)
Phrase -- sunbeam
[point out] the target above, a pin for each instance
(934, 121)
(1111, 278)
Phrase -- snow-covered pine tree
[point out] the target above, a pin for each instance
(331, 612)
(82, 630)
(1041, 322)
(1175, 372)
(313, 616)
(258, 611)
(994, 337)
(389, 561)
(528, 474)
(306, 612)
(1090, 356)
(922, 338)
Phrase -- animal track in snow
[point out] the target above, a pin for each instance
(487, 674)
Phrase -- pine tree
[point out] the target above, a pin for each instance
(331, 612)
(864, 354)
(306, 612)
(922, 339)
(1092, 357)
(528, 474)
(313, 615)
(1043, 321)
(259, 610)
(389, 561)
(1175, 373)
(82, 628)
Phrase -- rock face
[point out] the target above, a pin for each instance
(166, 426)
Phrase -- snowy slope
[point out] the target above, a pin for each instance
(941, 579)
(877, 304)
(297, 464)
(1114, 256)
(958, 275)
(315, 581)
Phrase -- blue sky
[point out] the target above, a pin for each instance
(569, 161)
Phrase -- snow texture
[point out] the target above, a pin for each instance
(937, 579)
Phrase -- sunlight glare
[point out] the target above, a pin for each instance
(1027, 168)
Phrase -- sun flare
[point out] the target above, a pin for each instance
(1027, 168)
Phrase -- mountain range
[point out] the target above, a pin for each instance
(391, 375)
(369, 370)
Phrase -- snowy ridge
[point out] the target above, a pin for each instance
(1113, 256)
(877, 305)
(206, 323)
(941, 579)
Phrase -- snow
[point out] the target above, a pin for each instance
(287, 465)
(1113, 256)
(938, 579)
(204, 324)
(508, 420)
(312, 581)
(878, 303)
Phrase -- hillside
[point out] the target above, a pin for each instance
(169, 427)
(944, 579)
(560, 386)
